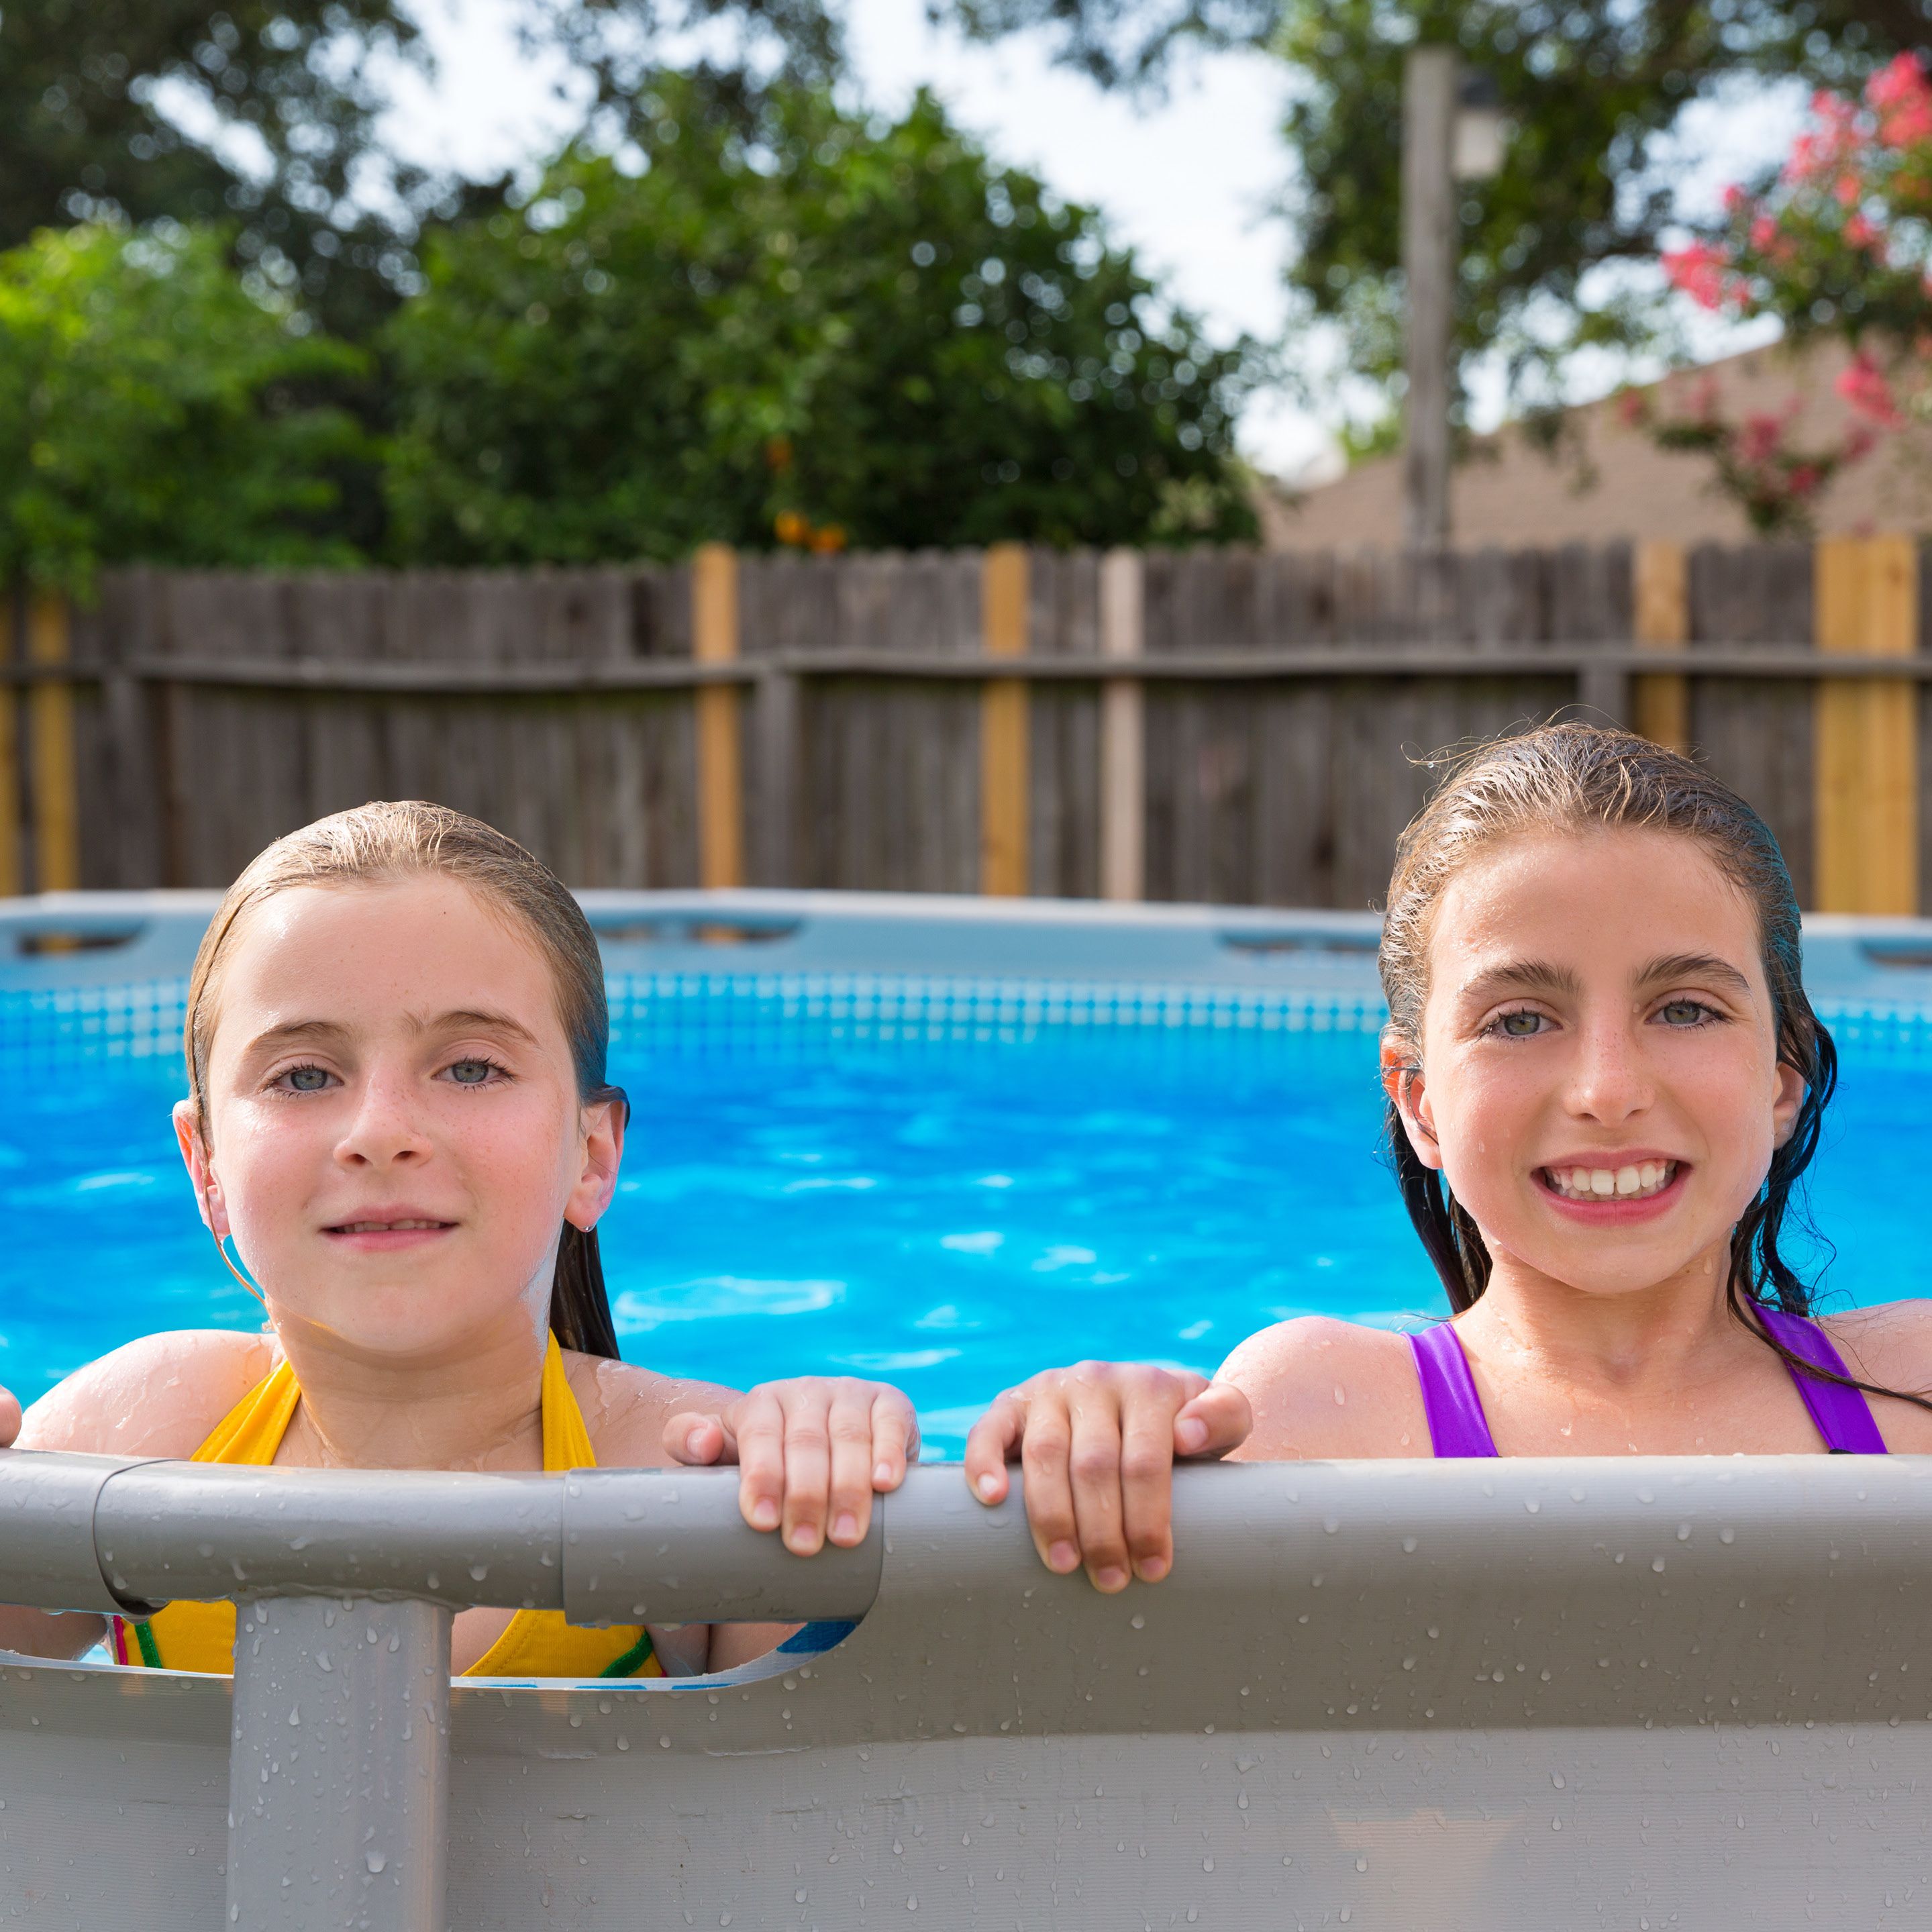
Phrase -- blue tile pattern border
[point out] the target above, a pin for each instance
(792, 1015)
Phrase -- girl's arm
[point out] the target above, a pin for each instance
(1097, 1445)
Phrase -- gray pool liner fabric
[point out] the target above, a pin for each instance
(1523, 1694)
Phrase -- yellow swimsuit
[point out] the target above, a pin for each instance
(537, 1643)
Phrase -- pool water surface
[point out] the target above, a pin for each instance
(948, 1215)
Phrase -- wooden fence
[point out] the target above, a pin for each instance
(1210, 725)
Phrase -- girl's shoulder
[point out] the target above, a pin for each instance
(161, 1396)
(1321, 1388)
(625, 1408)
(1891, 1344)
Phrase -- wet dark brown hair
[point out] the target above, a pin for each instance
(383, 843)
(1580, 778)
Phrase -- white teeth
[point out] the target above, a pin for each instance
(1603, 1183)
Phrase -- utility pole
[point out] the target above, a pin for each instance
(1430, 84)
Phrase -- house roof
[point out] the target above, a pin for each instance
(1608, 479)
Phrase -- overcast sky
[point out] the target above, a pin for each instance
(1190, 181)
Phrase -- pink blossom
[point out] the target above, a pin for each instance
(1758, 440)
(1862, 385)
(1804, 479)
(1849, 190)
(1735, 198)
(1764, 233)
(1698, 271)
(1899, 95)
(1860, 233)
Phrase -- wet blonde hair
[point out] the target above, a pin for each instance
(384, 843)
(1573, 777)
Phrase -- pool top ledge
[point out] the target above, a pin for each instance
(75, 940)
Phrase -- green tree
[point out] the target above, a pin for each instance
(95, 94)
(1596, 94)
(152, 408)
(823, 330)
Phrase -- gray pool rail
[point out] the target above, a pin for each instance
(1518, 1694)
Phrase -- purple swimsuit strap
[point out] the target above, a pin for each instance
(1842, 1415)
(1457, 1426)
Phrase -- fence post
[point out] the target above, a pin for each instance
(720, 783)
(1002, 725)
(13, 605)
(1865, 756)
(1661, 701)
(1122, 731)
(50, 719)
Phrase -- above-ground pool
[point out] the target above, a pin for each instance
(936, 1141)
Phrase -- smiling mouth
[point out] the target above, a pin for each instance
(1639, 1182)
(389, 1227)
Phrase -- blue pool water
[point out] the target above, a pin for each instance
(950, 1209)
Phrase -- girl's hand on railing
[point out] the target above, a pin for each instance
(811, 1453)
(1097, 1444)
(9, 1419)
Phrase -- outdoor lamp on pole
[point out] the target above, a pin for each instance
(1453, 130)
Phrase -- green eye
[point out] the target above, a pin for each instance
(307, 1079)
(1683, 1012)
(1521, 1026)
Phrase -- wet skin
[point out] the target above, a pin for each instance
(395, 1139)
(1596, 1006)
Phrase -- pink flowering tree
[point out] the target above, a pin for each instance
(1839, 243)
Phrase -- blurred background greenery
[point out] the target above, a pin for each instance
(736, 302)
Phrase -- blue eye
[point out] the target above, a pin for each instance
(1683, 1013)
(307, 1079)
(472, 1073)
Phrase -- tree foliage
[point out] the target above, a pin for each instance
(819, 328)
(152, 408)
(287, 96)
(1596, 93)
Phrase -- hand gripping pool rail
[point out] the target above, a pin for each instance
(1523, 1695)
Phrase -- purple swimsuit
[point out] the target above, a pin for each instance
(1457, 1426)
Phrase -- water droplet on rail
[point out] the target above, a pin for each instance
(375, 1861)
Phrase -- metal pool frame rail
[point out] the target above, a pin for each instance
(1517, 1694)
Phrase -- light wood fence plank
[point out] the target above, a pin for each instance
(1002, 726)
(1867, 730)
(56, 809)
(720, 783)
(1660, 702)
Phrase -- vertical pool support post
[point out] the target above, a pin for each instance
(339, 1766)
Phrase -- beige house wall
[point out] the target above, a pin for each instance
(1610, 481)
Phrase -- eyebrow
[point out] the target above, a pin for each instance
(1695, 966)
(1521, 976)
(330, 1033)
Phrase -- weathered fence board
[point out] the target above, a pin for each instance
(1274, 710)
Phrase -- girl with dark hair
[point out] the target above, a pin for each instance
(1604, 1084)
(398, 1112)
